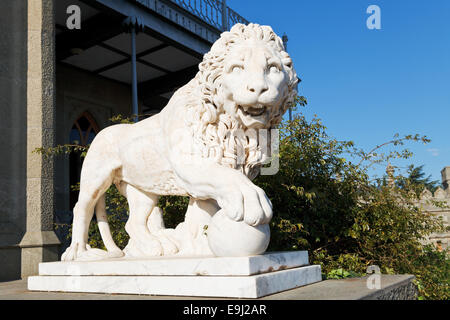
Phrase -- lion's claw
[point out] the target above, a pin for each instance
(250, 204)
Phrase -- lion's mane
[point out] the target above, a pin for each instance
(218, 135)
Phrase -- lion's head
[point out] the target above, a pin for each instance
(245, 82)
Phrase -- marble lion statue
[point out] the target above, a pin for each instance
(245, 83)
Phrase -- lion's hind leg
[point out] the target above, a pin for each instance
(92, 189)
(103, 225)
(142, 242)
(155, 224)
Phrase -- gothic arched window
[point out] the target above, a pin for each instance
(83, 132)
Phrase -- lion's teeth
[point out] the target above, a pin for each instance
(254, 111)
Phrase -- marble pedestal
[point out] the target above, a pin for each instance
(234, 277)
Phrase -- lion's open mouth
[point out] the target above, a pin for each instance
(254, 116)
(253, 111)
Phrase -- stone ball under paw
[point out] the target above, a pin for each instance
(228, 238)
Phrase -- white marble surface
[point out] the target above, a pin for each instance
(222, 229)
(207, 286)
(179, 266)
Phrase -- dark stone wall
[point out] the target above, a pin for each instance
(13, 133)
(407, 291)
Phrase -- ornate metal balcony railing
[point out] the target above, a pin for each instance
(209, 11)
(212, 12)
(234, 17)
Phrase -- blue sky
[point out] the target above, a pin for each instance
(366, 85)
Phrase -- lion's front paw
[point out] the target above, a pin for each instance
(73, 252)
(84, 252)
(247, 202)
(169, 248)
(257, 206)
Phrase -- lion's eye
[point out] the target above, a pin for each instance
(273, 68)
(237, 68)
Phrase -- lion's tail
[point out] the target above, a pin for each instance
(103, 226)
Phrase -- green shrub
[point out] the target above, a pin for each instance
(328, 205)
